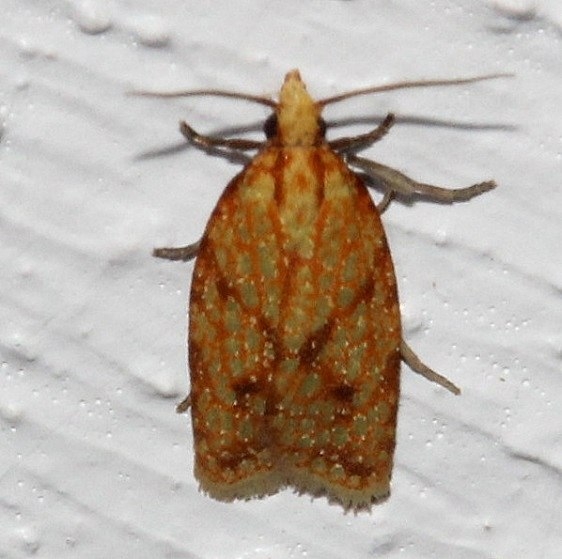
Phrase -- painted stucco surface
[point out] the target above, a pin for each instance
(93, 460)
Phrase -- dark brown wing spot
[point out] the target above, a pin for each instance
(223, 288)
(353, 468)
(342, 396)
(232, 460)
(343, 393)
(315, 344)
(367, 290)
(246, 387)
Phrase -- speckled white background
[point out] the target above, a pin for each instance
(93, 460)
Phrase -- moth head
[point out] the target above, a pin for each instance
(297, 120)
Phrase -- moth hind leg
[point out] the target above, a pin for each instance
(396, 182)
(178, 253)
(418, 366)
(184, 405)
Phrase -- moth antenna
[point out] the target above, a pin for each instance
(212, 92)
(408, 85)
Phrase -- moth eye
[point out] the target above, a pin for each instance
(322, 127)
(270, 126)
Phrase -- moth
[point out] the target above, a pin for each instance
(295, 341)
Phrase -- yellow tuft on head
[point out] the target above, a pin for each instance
(297, 114)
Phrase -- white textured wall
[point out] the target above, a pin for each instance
(94, 462)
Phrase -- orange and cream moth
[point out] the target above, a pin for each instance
(295, 339)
